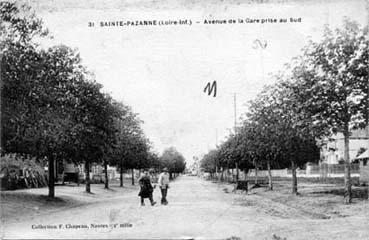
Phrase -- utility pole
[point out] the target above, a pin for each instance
(235, 113)
(235, 130)
(216, 146)
(121, 157)
(216, 137)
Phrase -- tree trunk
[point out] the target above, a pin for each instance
(348, 194)
(227, 173)
(87, 171)
(232, 175)
(245, 171)
(106, 175)
(133, 177)
(270, 176)
(294, 178)
(256, 175)
(51, 177)
(237, 172)
(256, 172)
(121, 173)
(216, 172)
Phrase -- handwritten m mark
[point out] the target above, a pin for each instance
(212, 89)
(259, 44)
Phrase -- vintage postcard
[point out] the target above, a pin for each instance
(184, 119)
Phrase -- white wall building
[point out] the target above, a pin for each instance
(333, 149)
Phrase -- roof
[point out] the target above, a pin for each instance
(363, 155)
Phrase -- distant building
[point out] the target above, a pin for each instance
(364, 166)
(332, 151)
(64, 170)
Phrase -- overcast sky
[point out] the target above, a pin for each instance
(161, 70)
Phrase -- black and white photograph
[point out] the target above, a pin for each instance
(184, 119)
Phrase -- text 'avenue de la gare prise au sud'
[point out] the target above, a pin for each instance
(189, 22)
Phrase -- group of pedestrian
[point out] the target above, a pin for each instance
(147, 188)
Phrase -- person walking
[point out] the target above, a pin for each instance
(163, 183)
(147, 189)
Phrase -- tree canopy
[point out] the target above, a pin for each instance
(53, 107)
(320, 92)
(173, 160)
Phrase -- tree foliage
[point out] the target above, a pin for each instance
(52, 106)
(321, 92)
(173, 160)
(332, 84)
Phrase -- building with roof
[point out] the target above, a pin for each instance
(332, 150)
(364, 166)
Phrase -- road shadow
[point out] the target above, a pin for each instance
(17, 205)
(358, 192)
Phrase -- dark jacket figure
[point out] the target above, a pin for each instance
(146, 189)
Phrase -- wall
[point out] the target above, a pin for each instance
(364, 171)
(312, 170)
(264, 173)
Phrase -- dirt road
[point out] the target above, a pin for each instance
(197, 209)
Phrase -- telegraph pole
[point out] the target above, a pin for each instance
(216, 137)
(121, 157)
(235, 130)
(216, 146)
(235, 113)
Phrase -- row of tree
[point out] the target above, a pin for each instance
(53, 108)
(321, 92)
(173, 161)
(170, 159)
